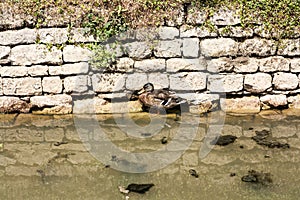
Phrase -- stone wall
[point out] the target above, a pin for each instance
(47, 70)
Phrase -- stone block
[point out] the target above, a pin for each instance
(225, 83)
(218, 47)
(225, 17)
(52, 84)
(13, 71)
(73, 53)
(245, 65)
(202, 107)
(196, 16)
(69, 69)
(285, 81)
(55, 110)
(138, 50)
(188, 81)
(22, 86)
(274, 100)
(244, 105)
(4, 51)
(198, 98)
(236, 31)
(78, 35)
(35, 54)
(222, 64)
(190, 47)
(110, 82)
(150, 65)
(51, 100)
(166, 33)
(53, 35)
(78, 83)
(295, 64)
(187, 31)
(168, 49)
(1, 87)
(259, 47)
(13, 104)
(275, 63)
(257, 83)
(100, 106)
(136, 81)
(294, 102)
(17, 37)
(125, 65)
(186, 64)
(159, 80)
(38, 70)
(289, 47)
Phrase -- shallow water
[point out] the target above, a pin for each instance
(88, 157)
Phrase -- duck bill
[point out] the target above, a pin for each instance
(141, 91)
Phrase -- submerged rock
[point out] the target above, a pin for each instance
(139, 188)
(264, 138)
(257, 177)
(224, 140)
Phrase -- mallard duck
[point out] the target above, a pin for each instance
(159, 99)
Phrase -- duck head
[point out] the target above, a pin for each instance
(148, 87)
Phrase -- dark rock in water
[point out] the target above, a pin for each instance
(224, 140)
(232, 174)
(194, 173)
(257, 177)
(139, 188)
(164, 140)
(264, 138)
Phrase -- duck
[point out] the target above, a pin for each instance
(157, 99)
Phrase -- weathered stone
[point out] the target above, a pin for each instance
(150, 65)
(222, 64)
(5, 161)
(136, 81)
(52, 84)
(285, 81)
(22, 86)
(168, 33)
(258, 82)
(244, 105)
(289, 47)
(188, 81)
(13, 71)
(225, 17)
(125, 65)
(73, 53)
(196, 16)
(225, 83)
(274, 100)
(38, 70)
(98, 106)
(55, 110)
(202, 107)
(159, 80)
(4, 51)
(54, 135)
(272, 64)
(167, 49)
(17, 37)
(35, 54)
(256, 46)
(13, 104)
(219, 47)
(53, 35)
(145, 34)
(190, 47)
(110, 82)
(76, 83)
(284, 130)
(69, 69)
(138, 49)
(51, 100)
(184, 64)
(245, 65)
(295, 64)
(187, 31)
(294, 102)
(176, 19)
(79, 35)
(198, 98)
(236, 31)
